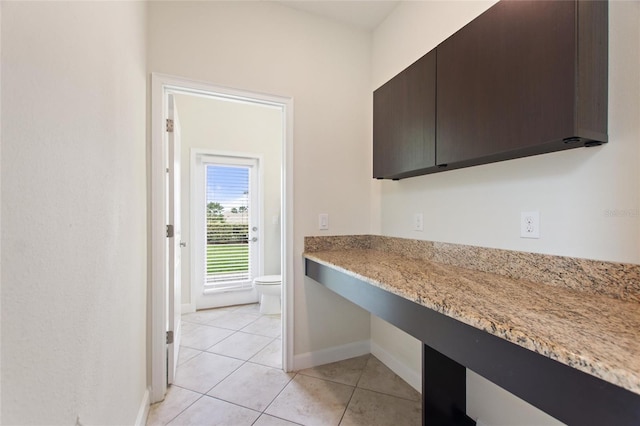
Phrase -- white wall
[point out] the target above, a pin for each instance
(73, 212)
(570, 188)
(0, 214)
(574, 190)
(266, 47)
(224, 126)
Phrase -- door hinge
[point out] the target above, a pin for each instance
(169, 231)
(169, 125)
(169, 337)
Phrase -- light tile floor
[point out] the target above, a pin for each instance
(229, 373)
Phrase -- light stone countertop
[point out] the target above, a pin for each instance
(597, 334)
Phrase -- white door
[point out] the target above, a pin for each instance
(228, 251)
(173, 241)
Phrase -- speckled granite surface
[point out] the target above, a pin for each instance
(562, 308)
(618, 280)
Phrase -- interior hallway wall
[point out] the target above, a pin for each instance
(74, 258)
(324, 66)
(237, 127)
(589, 199)
(0, 213)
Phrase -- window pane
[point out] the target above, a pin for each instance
(227, 223)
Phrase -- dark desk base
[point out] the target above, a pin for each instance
(444, 390)
(571, 396)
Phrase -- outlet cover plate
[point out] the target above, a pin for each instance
(530, 224)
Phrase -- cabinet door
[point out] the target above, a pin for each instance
(385, 114)
(404, 121)
(507, 82)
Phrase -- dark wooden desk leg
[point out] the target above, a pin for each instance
(444, 390)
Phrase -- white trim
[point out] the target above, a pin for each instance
(143, 411)
(287, 235)
(160, 85)
(158, 249)
(351, 350)
(332, 354)
(232, 298)
(409, 375)
(1, 119)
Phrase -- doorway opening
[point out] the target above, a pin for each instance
(163, 89)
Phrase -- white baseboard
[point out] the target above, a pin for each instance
(230, 298)
(188, 308)
(143, 411)
(332, 354)
(409, 375)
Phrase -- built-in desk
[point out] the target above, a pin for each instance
(569, 345)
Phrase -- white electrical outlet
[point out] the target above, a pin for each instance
(530, 224)
(323, 221)
(418, 222)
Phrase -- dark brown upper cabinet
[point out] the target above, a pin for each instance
(404, 115)
(523, 78)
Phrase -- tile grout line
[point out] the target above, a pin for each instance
(253, 363)
(389, 394)
(355, 385)
(225, 377)
(233, 334)
(205, 394)
(362, 371)
(346, 408)
(256, 354)
(271, 340)
(243, 363)
(277, 417)
(263, 335)
(381, 392)
(185, 408)
(233, 403)
(276, 397)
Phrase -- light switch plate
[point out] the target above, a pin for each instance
(323, 221)
(418, 222)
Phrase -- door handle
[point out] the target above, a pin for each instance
(183, 244)
(254, 239)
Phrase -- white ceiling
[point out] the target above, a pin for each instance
(363, 14)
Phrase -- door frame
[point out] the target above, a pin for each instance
(161, 85)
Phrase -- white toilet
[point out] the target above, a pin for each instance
(270, 288)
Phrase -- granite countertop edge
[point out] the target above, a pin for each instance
(612, 366)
